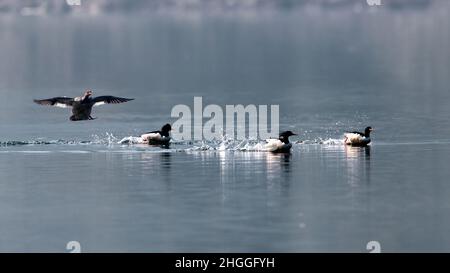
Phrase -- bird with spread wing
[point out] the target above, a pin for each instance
(81, 106)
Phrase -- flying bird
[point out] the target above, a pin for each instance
(81, 106)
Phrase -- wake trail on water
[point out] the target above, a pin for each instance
(224, 144)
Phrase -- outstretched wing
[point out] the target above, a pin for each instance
(62, 102)
(108, 100)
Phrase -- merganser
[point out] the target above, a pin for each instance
(161, 137)
(280, 145)
(81, 106)
(358, 138)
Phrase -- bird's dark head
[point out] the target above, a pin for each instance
(166, 128)
(287, 134)
(87, 93)
(367, 131)
(284, 136)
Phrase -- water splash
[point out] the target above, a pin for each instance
(227, 144)
(224, 144)
(108, 140)
(322, 141)
(40, 142)
(131, 140)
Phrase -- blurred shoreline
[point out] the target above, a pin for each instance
(102, 7)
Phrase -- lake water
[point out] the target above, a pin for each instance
(329, 70)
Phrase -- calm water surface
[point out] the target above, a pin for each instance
(329, 71)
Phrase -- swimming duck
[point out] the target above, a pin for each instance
(161, 137)
(81, 106)
(280, 145)
(358, 138)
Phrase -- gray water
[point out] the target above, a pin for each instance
(329, 70)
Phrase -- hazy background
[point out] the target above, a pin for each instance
(330, 65)
(94, 7)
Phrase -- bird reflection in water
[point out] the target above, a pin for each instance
(279, 168)
(358, 164)
(166, 160)
(282, 158)
(166, 168)
(161, 159)
(162, 146)
(357, 152)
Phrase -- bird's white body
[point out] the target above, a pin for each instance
(154, 137)
(356, 139)
(276, 145)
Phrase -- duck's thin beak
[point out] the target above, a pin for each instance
(371, 130)
(294, 134)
